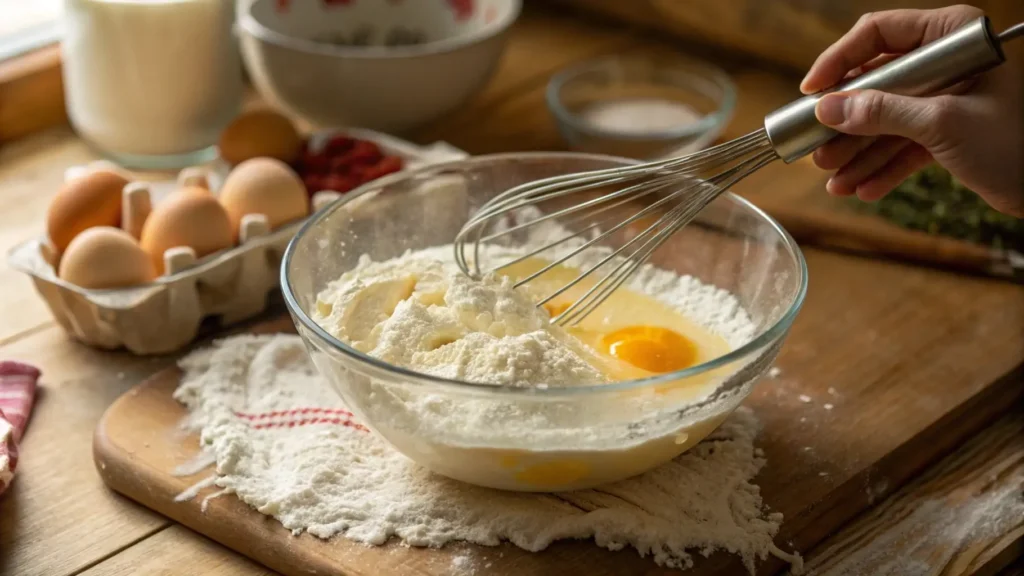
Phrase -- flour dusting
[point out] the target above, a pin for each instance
(926, 537)
(463, 565)
(286, 445)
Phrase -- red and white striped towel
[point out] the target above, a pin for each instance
(17, 393)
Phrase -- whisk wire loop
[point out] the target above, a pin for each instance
(675, 189)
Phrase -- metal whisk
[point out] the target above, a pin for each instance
(679, 188)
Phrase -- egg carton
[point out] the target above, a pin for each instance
(228, 287)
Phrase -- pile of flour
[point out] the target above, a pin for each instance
(418, 313)
(285, 444)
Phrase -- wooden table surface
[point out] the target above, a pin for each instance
(58, 519)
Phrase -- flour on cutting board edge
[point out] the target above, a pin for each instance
(930, 535)
(331, 477)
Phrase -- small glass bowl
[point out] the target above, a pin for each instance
(579, 436)
(673, 106)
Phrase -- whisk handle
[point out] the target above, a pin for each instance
(794, 131)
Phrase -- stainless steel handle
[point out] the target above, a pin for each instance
(794, 131)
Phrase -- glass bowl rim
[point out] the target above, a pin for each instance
(248, 23)
(719, 117)
(762, 340)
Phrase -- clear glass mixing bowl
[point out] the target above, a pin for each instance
(554, 437)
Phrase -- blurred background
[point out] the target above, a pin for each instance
(643, 79)
(790, 32)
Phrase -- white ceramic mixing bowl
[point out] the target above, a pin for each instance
(379, 64)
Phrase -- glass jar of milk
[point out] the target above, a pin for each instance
(151, 83)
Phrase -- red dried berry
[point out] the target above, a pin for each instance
(391, 164)
(337, 145)
(364, 152)
(314, 183)
(342, 164)
(356, 171)
(387, 165)
(340, 183)
(316, 164)
(463, 9)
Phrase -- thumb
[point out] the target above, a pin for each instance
(875, 113)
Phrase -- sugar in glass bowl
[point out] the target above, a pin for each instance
(641, 106)
(554, 437)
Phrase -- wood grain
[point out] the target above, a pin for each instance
(961, 517)
(177, 551)
(31, 93)
(542, 44)
(57, 516)
(31, 172)
(757, 28)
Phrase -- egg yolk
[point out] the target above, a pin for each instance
(650, 348)
(554, 474)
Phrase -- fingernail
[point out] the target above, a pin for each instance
(832, 109)
(833, 188)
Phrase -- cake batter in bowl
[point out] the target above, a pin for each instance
(468, 378)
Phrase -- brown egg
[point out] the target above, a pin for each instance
(105, 257)
(189, 217)
(264, 186)
(260, 133)
(90, 200)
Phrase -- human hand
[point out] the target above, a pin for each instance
(975, 130)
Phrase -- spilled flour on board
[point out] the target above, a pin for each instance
(285, 444)
(929, 536)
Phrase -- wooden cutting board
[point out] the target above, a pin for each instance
(887, 368)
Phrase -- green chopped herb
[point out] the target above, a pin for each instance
(933, 201)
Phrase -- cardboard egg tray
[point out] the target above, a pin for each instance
(228, 286)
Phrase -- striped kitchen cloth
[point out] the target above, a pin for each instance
(17, 393)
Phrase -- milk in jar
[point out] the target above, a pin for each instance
(151, 83)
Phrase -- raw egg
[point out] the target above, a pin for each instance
(264, 186)
(105, 257)
(632, 334)
(93, 199)
(189, 217)
(260, 133)
(650, 348)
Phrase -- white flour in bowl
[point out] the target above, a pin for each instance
(415, 311)
(286, 445)
(418, 311)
